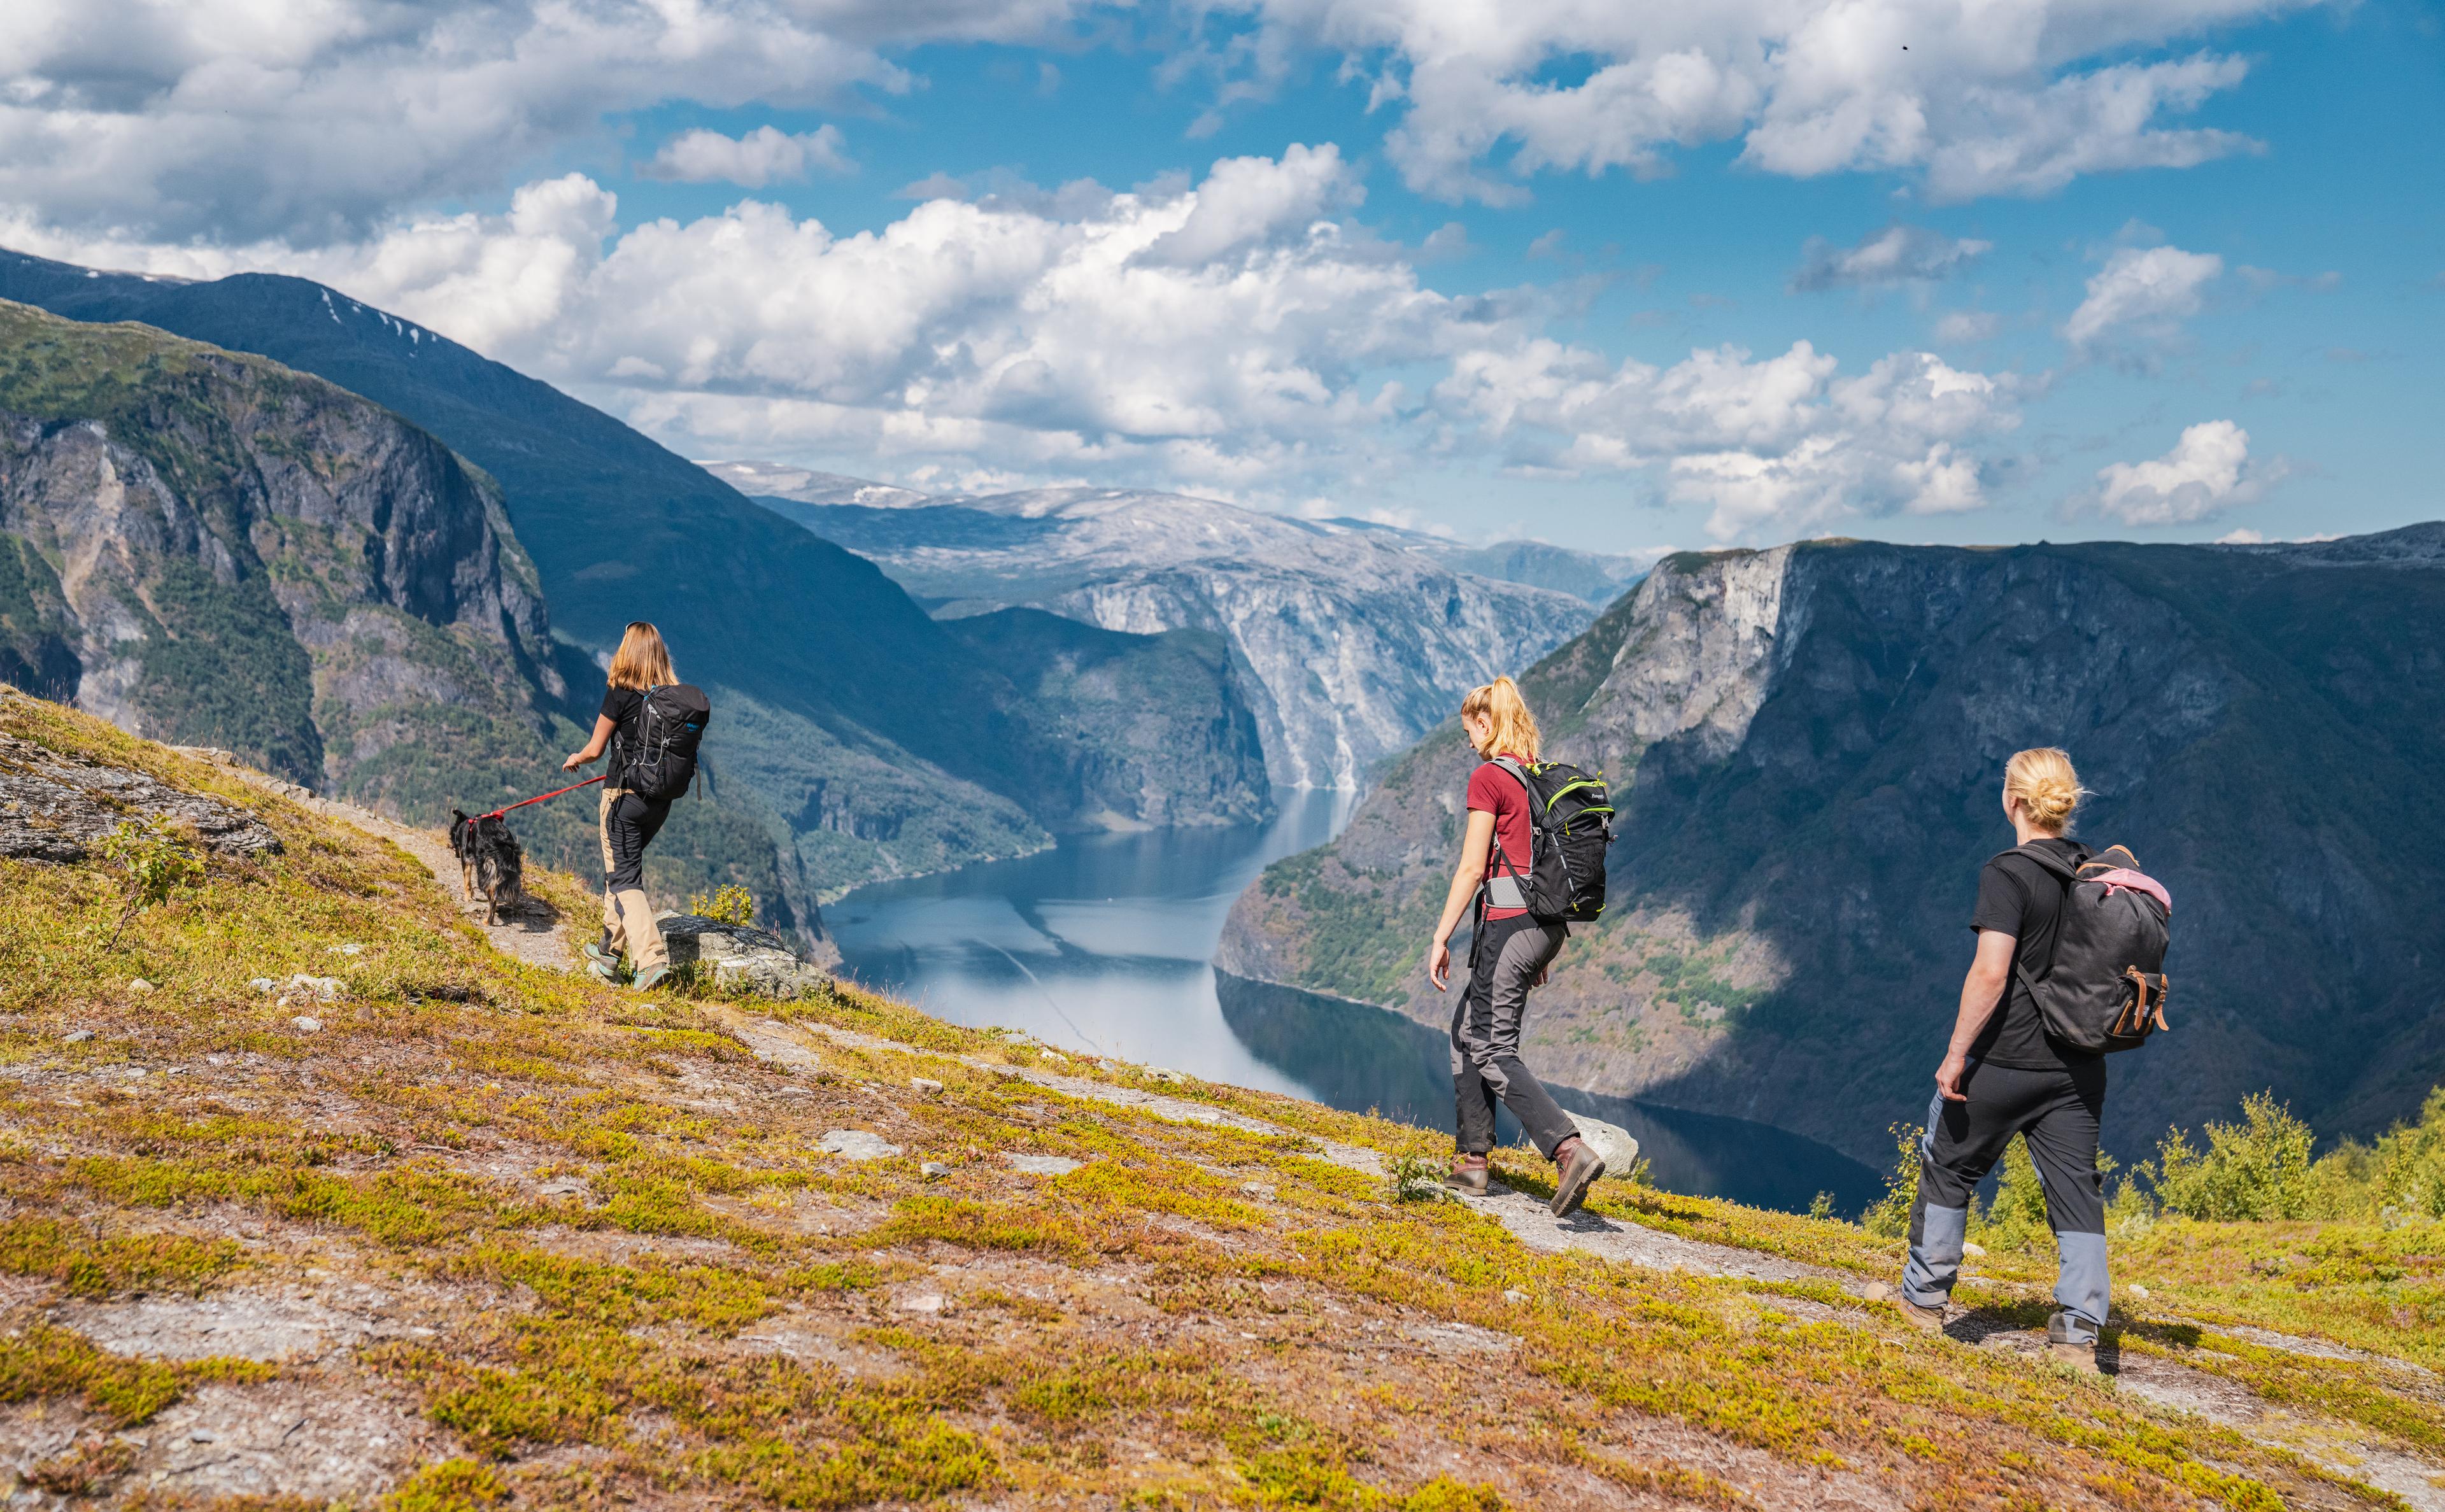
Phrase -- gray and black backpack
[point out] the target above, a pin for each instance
(1570, 828)
(669, 727)
(2104, 987)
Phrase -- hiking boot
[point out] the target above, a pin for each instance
(601, 959)
(1469, 1175)
(1926, 1319)
(2079, 1353)
(649, 979)
(1576, 1166)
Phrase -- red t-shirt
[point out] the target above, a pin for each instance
(1499, 792)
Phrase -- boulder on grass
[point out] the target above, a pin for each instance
(1615, 1146)
(741, 955)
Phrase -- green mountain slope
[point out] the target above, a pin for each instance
(860, 700)
(1807, 744)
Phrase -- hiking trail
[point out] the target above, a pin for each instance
(535, 933)
(2345, 1450)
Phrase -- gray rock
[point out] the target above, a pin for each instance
(305, 1025)
(1042, 1165)
(934, 1170)
(1614, 1144)
(742, 954)
(56, 807)
(856, 1143)
(76, 1036)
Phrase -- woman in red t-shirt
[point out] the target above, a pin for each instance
(1509, 951)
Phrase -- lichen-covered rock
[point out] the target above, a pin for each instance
(55, 807)
(742, 954)
(1615, 1146)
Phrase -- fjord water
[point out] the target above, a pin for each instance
(1105, 944)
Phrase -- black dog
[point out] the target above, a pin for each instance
(490, 863)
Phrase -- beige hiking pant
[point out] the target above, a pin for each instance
(627, 919)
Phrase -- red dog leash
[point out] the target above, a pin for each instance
(540, 796)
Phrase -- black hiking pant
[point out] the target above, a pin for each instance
(2057, 1111)
(1505, 958)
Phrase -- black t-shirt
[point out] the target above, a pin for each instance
(2018, 897)
(623, 707)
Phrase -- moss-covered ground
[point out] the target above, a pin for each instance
(594, 1250)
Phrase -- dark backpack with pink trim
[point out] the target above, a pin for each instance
(2104, 987)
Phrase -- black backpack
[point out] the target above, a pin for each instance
(1570, 827)
(663, 762)
(2104, 987)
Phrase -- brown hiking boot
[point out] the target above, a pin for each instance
(1926, 1319)
(1469, 1175)
(1576, 1168)
(2081, 1357)
(2080, 1354)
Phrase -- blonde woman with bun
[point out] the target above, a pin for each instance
(2004, 1073)
(1509, 952)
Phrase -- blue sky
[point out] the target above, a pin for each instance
(1425, 306)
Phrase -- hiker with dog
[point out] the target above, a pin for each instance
(1531, 862)
(650, 724)
(2068, 968)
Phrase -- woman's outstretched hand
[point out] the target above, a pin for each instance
(1948, 1078)
(576, 759)
(1439, 965)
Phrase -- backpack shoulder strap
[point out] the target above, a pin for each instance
(2048, 860)
(2062, 871)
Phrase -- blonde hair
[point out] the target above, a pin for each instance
(1499, 705)
(2045, 784)
(641, 661)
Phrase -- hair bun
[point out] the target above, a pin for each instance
(2043, 779)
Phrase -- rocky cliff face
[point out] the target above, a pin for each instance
(1353, 640)
(1808, 745)
(211, 550)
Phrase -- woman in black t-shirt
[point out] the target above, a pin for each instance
(2003, 1075)
(629, 822)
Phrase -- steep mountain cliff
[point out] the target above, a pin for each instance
(1807, 746)
(1354, 638)
(873, 741)
(211, 548)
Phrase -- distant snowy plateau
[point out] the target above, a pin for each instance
(1353, 639)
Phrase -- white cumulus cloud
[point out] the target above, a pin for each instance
(318, 121)
(764, 156)
(2141, 295)
(2014, 97)
(2207, 473)
(1227, 336)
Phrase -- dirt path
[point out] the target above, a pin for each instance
(536, 934)
(2343, 1449)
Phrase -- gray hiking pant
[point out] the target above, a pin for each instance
(1505, 958)
(2057, 1111)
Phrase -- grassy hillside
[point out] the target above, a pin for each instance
(474, 1233)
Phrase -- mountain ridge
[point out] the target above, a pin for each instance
(1352, 639)
(832, 675)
